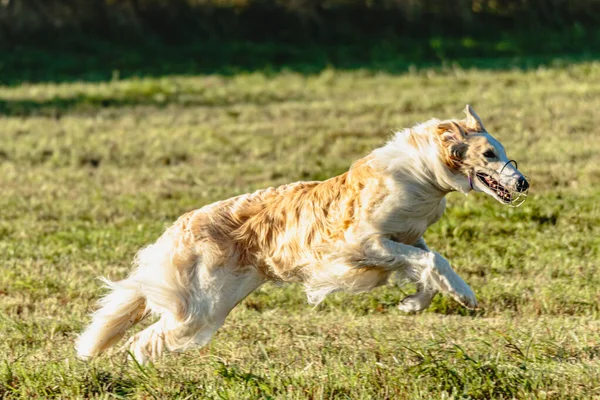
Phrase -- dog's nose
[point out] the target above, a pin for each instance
(522, 184)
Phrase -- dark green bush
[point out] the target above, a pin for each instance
(284, 20)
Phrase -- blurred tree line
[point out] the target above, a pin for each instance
(64, 40)
(285, 20)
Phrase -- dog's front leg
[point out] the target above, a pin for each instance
(425, 267)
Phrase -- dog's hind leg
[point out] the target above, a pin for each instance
(217, 291)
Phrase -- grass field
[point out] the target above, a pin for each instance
(90, 172)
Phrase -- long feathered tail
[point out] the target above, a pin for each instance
(119, 310)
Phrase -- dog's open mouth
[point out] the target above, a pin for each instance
(502, 192)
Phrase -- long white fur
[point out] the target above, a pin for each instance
(193, 283)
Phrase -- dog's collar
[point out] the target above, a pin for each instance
(470, 181)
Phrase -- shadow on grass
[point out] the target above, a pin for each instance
(98, 60)
(157, 96)
(94, 60)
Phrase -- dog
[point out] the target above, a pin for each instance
(350, 233)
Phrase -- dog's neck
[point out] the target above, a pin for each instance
(413, 158)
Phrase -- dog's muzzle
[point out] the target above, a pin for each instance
(509, 189)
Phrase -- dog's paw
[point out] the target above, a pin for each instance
(134, 352)
(412, 304)
(465, 297)
(417, 302)
(451, 283)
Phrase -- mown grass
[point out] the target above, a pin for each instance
(90, 172)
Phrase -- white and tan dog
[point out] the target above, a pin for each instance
(350, 232)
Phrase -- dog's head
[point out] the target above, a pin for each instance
(479, 161)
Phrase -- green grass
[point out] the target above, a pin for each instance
(90, 172)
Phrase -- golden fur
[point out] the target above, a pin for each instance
(349, 232)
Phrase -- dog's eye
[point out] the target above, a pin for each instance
(489, 154)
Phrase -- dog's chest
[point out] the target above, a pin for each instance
(406, 231)
(408, 224)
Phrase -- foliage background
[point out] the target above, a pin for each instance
(294, 20)
(62, 40)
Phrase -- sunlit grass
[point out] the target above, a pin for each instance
(90, 172)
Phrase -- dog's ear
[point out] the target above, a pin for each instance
(473, 121)
(452, 136)
(451, 132)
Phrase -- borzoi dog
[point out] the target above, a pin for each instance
(350, 232)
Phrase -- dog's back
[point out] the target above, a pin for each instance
(347, 233)
(272, 234)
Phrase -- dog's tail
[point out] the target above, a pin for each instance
(158, 284)
(119, 310)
